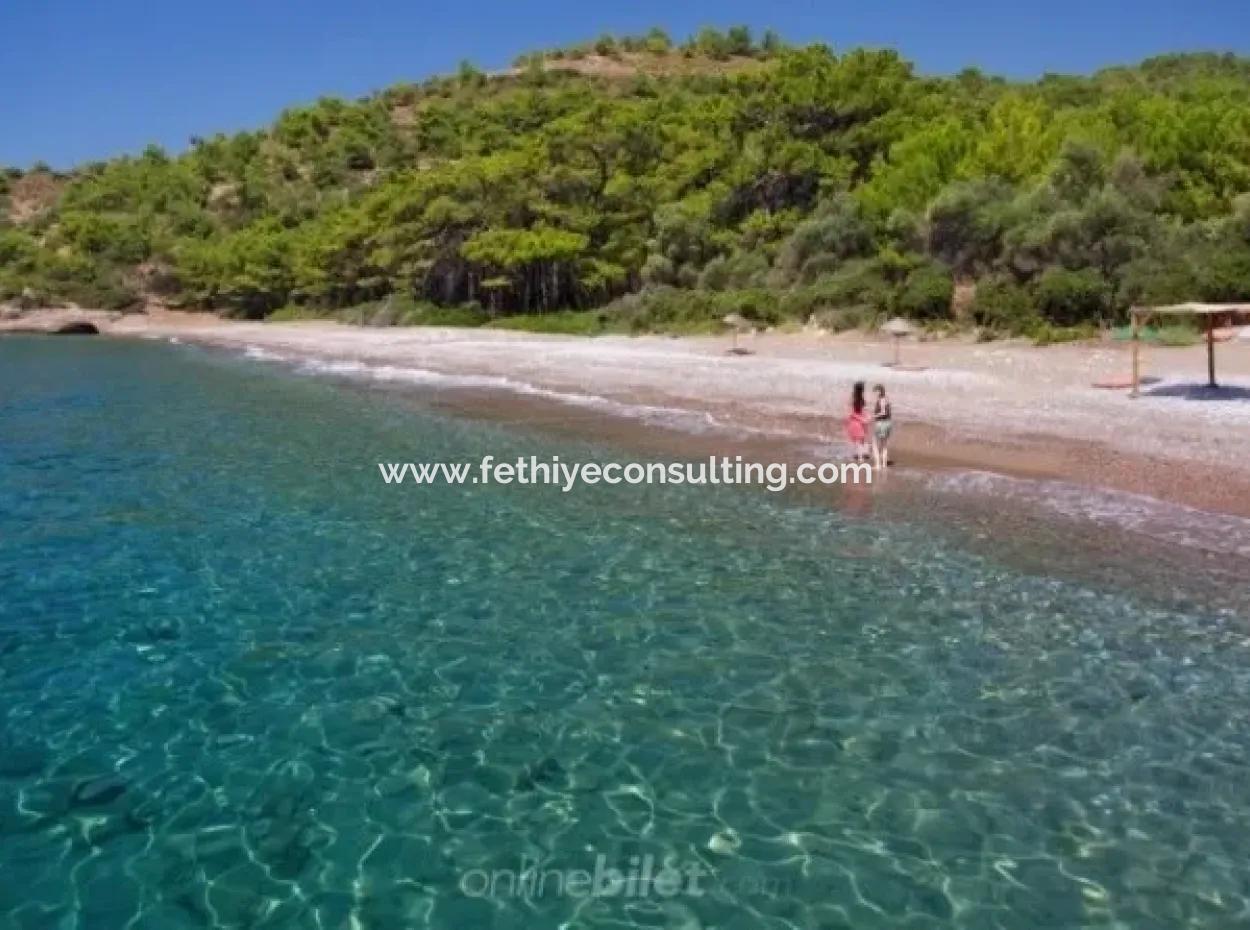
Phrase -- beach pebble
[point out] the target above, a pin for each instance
(725, 843)
(418, 779)
(97, 792)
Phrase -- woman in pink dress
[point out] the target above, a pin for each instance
(857, 423)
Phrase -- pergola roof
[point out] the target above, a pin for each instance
(1210, 312)
(1197, 309)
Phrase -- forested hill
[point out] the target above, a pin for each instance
(665, 186)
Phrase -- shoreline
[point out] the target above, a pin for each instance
(1091, 533)
(1003, 408)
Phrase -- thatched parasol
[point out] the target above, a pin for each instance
(739, 324)
(898, 328)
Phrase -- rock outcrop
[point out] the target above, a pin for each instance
(62, 321)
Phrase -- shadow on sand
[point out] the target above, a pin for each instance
(1199, 392)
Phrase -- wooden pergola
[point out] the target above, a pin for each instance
(1213, 317)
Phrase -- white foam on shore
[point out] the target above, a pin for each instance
(678, 417)
(1121, 510)
(264, 355)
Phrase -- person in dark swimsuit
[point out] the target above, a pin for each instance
(882, 427)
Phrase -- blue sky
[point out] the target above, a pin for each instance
(86, 79)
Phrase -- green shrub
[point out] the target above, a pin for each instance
(101, 294)
(657, 42)
(380, 313)
(856, 284)
(396, 310)
(669, 309)
(758, 305)
(927, 293)
(842, 319)
(663, 308)
(76, 279)
(837, 230)
(820, 266)
(427, 314)
(859, 282)
(740, 270)
(801, 303)
(566, 322)
(1153, 281)
(18, 249)
(1066, 298)
(1044, 334)
(117, 240)
(1003, 306)
(1224, 275)
(292, 312)
(966, 223)
(1176, 336)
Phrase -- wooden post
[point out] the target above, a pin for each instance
(1211, 350)
(1136, 337)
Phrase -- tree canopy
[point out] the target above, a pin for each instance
(661, 184)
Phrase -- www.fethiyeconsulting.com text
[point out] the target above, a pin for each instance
(553, 472)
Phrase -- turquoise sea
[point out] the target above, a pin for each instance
(245, 684)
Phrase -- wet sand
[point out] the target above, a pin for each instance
(1007, 408)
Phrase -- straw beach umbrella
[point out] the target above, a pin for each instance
(738, 324)
(898, 328)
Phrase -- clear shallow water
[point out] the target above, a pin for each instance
(245, 684)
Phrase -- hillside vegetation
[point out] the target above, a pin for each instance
(663, 187)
